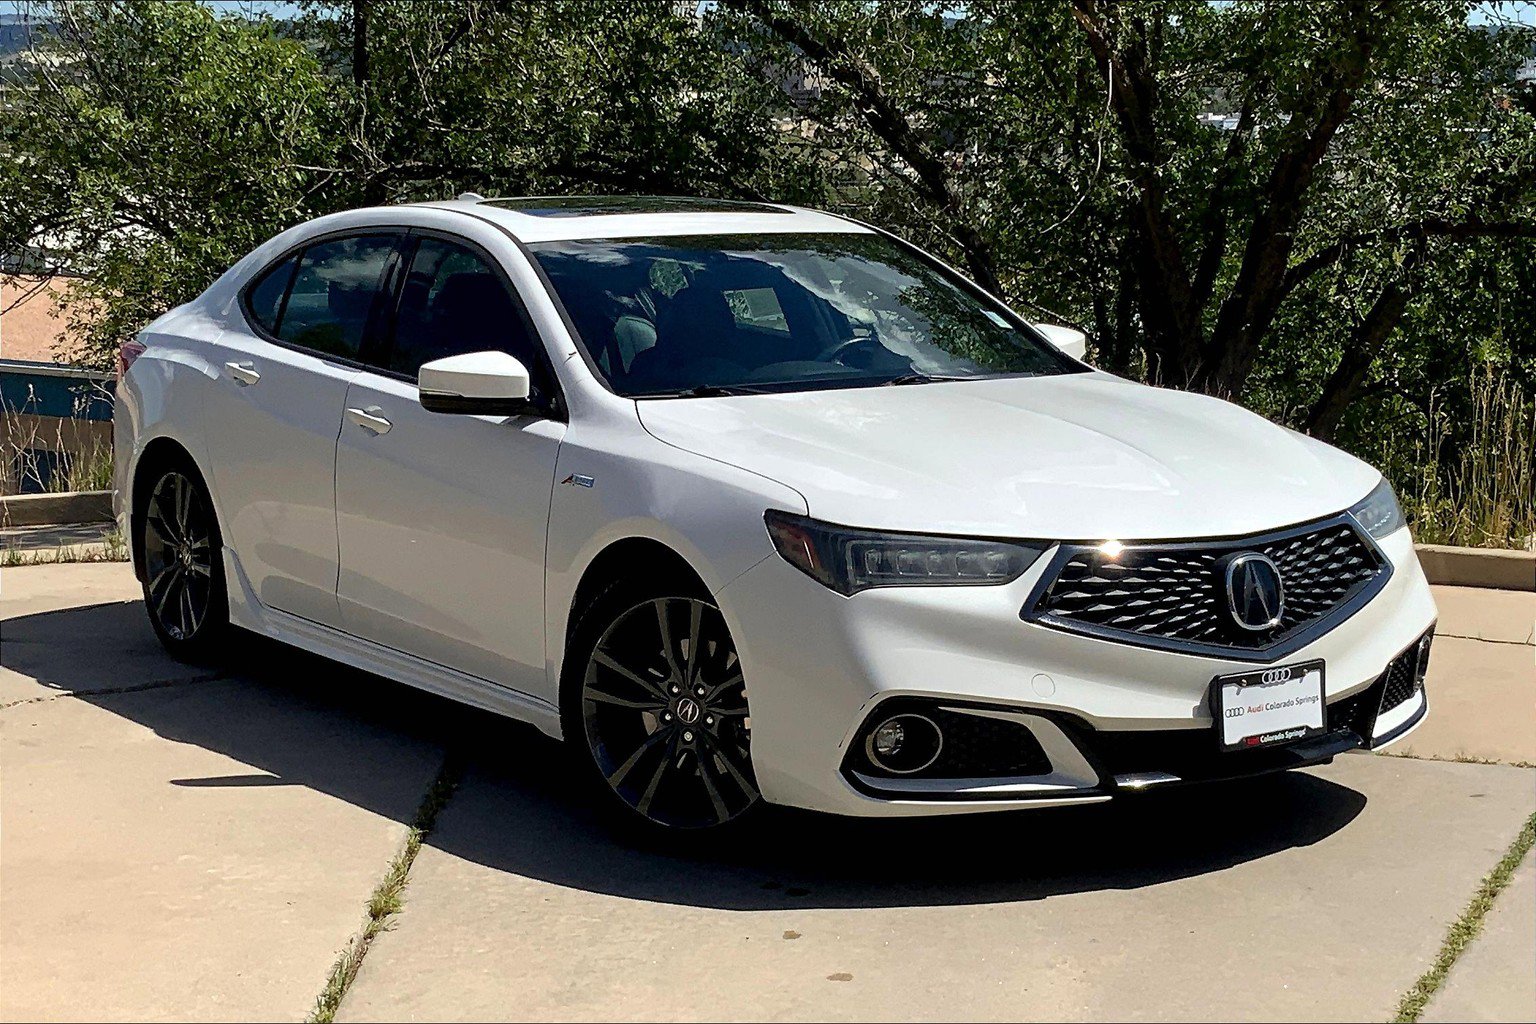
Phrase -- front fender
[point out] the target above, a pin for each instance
(708, 512)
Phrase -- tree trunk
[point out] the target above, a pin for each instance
(1349, 376)
(360, 43)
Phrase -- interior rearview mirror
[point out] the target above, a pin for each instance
(475, 383)
(1069, 339)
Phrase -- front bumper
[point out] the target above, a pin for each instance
(1109, 717)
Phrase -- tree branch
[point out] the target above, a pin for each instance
(884, 116)
(1413, 231)
(1251, 305)
(1217, 222)
(1168, 308)
(1365, 344)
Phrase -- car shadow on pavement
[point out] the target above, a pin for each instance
(516, 809)
(512, 813)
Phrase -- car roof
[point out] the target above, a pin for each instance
(556, 218)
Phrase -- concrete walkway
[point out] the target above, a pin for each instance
(189, 843)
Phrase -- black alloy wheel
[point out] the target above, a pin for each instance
(664, 714)
(183, 573)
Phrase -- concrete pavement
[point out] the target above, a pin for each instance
(1317, 896)
(199, 844)
(1495, 979)
(198, 850)
(1482, 678)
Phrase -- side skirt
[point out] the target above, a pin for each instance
(247, 612)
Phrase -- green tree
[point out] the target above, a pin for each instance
(148, 146)
(1059, 153)
(1348, 250)
(529, 97)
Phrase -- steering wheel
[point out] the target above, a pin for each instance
(834, 353)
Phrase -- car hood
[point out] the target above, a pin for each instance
(1079, 457)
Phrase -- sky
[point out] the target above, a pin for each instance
(273, 7)
(1524, 11)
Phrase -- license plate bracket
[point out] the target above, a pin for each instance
(1270, 706)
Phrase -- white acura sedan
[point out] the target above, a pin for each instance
(754, 504)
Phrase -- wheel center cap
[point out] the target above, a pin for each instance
(186, 557)
(688, 710)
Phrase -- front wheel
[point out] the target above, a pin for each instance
(183, 565)
(659, 708)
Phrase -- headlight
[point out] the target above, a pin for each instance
(1379, 514)
(848, 560)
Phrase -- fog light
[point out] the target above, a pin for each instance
(1423, 661)
(888, 738)
(904, 744)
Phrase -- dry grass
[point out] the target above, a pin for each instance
(1480, 493)
(27, 446)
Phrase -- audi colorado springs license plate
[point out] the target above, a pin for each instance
(1269, 706)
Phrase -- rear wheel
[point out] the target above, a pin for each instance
(660, 710)
(183, 565)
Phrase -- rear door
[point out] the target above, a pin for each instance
(442, 518)
(284, 370)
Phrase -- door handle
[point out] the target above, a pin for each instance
(370, 420)
(243, 374)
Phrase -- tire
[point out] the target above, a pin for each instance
(663, 739)
(182, 552)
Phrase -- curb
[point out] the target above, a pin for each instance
(68, 507)
(1493, 568)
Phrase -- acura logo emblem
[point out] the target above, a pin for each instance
(1255, 593)
(688, 711)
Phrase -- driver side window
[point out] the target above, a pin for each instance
(451, 302)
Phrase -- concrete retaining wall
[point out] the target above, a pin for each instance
(1479, 567)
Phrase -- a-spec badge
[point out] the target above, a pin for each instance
(579, 480)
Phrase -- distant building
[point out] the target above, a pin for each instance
(1223, 122)
(30, 327)
(54, 419)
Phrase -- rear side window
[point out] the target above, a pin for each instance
(333, 294)
(453, 302)
(265, 298)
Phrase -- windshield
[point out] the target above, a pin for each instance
(749, 313)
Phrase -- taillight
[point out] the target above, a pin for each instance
(130, 351)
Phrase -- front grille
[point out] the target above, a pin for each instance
(1173, 595)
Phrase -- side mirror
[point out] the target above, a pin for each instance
(1069, 339)
(475, 384)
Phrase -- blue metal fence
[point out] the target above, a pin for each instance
(46, 389)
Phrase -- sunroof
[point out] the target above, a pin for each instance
(588, 206)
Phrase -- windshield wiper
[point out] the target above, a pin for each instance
(915, 378)
(707, 391)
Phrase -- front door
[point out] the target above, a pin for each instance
(442, 518)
